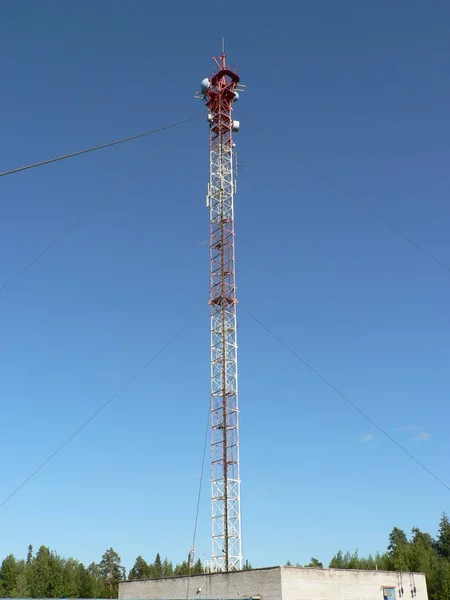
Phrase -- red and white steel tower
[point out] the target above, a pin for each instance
(219, 93)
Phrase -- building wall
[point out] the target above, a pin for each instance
(258, 582)
(336, 584)
(277, 583)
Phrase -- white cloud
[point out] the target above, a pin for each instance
(366, 438)
(422, 436)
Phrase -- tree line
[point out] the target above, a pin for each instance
(48, 575)
(420, 553)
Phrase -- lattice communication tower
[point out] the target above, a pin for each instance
(220, 92)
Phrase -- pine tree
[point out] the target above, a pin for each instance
(140, 569)
(167, 568)
(422, 556)
(20, 590)
(381, 561)
(443, 539)
(397, 539)
(40, 573)
(441, 589)
(29, 554)
(9, 572)
(197, 568)
(315, 563)
(182, 568)
(86, 583)
(71, 578)
(157, 566)
(46, 574)
(337, 561)
(398, 550)
(112, 571)
(96, 582)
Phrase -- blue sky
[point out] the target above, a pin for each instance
(358, 89)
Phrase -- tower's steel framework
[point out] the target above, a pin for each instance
(219, 93)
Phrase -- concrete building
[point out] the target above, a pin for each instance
(282, 583)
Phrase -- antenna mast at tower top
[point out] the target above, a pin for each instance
(219, 93)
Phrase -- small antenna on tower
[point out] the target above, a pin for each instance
(223, 45)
